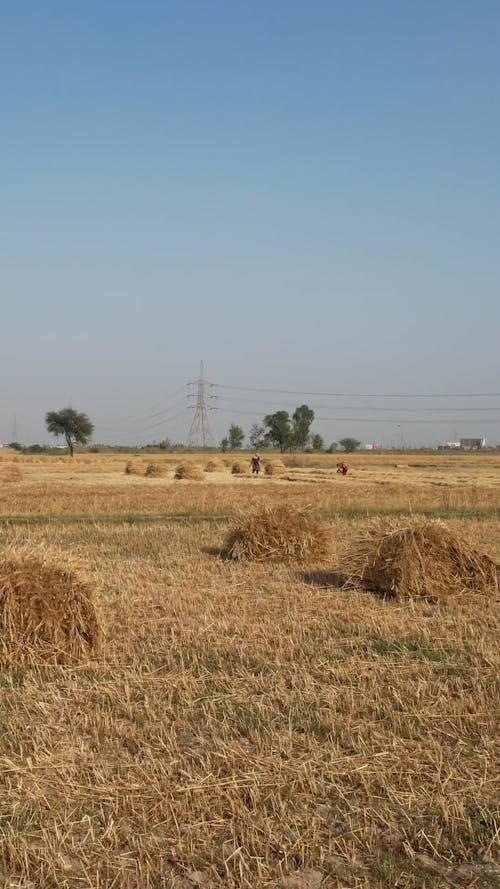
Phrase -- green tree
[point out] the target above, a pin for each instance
(317, 442)
(349, 444)
(332, 448)
(302, 419)
(278, 430)
(236, 437)
(224, 445)
(257, 437)
(76, 427)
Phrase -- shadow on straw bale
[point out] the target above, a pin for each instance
(133, 467)
(155, 470)
(215, 466)
(275, 467)
(278, 533)
(47, 607)
(189, 471)
(417, 557)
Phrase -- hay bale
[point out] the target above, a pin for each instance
(133, 467)
(239, 468)
(278, 533)
(190, 471)
(47, 609)
(155, 470)
(215, 466)
(11, 473)
(417, 557)
(274, 467)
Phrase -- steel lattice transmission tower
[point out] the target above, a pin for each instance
(200, 434)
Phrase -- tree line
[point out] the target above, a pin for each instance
(286, 433)
(278, 430)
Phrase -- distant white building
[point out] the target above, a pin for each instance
(472, 444)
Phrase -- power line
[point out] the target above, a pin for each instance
(370, 419)
(363, 394)
(168, 420)
(347, 407)
(144, 414)
(165, 415)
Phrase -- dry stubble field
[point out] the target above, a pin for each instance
(251, 725)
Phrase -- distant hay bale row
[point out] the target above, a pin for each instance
(193, 472)
(418, 558)
(152, 470)
(47, 608)
(271, 467)
(278, 533)
(189, 471)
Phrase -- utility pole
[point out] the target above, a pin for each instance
(200, 434)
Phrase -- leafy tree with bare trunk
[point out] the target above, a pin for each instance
(349, 444)
(257, 437)
(302, 419)
(76, 427)
(279, 431)
(236, 437)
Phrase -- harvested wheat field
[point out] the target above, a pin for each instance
(244, 722)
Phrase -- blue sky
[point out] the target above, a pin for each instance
(304, 195)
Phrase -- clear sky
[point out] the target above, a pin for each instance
(305, 195)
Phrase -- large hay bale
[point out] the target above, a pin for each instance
(417, 557)
(239, 468)
(47, 609)
(11, 473)
(215, 466)
(190, 471)
(274, 467)
(278, 533)
(155, 470)
(133, 467)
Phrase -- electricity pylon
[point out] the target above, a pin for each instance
(200, 434)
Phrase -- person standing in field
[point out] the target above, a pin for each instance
(255, 463)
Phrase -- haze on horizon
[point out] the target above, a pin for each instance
(304, 195)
